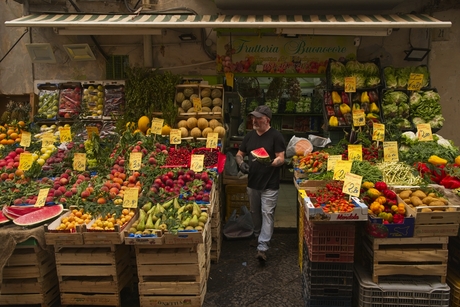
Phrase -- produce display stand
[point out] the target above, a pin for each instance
(216, 222)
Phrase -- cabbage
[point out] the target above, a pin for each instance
(431, 97)
(418, 120)
(389, 71)
(360, 80)
(404, 123)
(338, 81)
(426, 75)
(415, 99)
(390, 110)
(337, 68)
(403, 109)
(354, 67)
(444, 143)
(402, 76)
(372, 81)
(437, 122)
(371, 69)
(394, 97)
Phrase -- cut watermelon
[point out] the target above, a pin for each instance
(261, 155)
(40, 216)
(3, 218)
(14, 211)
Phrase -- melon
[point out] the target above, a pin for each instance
(165, 130)
(303, 147)
(180, 110)
(183, 132)
(213, 123)
(182, 123)
(220, 131)
(261, 155)
(143, 123)
(202, 123)
(217, 109)
(205, 132)
(216, 93)
(206, 92)
(186, 104)
(13, 212)
(195, 132)
(194, 96)
(191, 122)
(3, 218)
(191, 110)
(217, 102)
(40, 216)
(188, 91)
(205, 109)
(206, 102)
(180, 97)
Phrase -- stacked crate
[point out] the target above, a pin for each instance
(453, 272)
(216, 225)
(29, 277)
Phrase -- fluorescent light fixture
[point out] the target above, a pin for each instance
(416, 54)
(337, 31)
(106, 31)
(187, 37)
(41, 53)
(79, 52)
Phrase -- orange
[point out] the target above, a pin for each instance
(18, 140)
(3, 142)
(13, 135)
(101, 200)
(9, 131)
(9, 142)
(2, 136)
(21, 123)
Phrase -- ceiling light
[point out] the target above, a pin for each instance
(187, 37)
(416, 54)
(106, 31)
(337, 31)
(79, 52)
(41, 53)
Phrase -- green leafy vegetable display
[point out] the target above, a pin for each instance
(425, 107)
(399, 77)
(367, 74)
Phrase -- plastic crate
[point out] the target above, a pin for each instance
(322, 301)
(236, 196)
(416, 291)
(453, 280)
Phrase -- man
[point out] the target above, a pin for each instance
(263, 180)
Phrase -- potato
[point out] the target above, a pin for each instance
(444, 200)
(437, 203)
(432, 194)
(405, 194)
(407, 201)
(438, 209)
(426, 210)
(451, 209)
(416, 201)
(427, 200)
(419, 193)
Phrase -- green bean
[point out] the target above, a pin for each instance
(399, 173)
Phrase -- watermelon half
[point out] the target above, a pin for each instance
(13, 212)
(3, 218)
(39, 216)
(261, 155)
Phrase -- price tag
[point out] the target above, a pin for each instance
(378, 133)
(341, 168)
(197, 104)
(41, 199)
(25, 161)
(157, 125)
(25, 139)
(90, 130)
(65, 135)
(47, 139)
(359, 118)
(415, 82)
(197, 162)
(390, 151)
(352, 184)
(175, 136)
(229, 79)
(130, 198)
(350, 84)
(79, 161)
(211, 140)
(332, 160)
(135, 161)
(355, 152)
(424, 132)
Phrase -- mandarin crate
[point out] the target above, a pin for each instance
(93, 275)
(106, 237)
(417, 291)
(406, 256)
(29, 277)
(53, 236)
(453, 280)
(237, 196)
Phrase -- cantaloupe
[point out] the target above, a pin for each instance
(180, 97)
(186, 104)
(191, 122)
(206, 102)
(216, 93)
(217, 109)
(220, 131)
(188, 91)
(205, 109)
(217, 102)
(206, 92)
(182, 123)
(191, 110)
(183, 132)
(195, 132)
(202, 123)
(205, 132)
(213, 123)
(193, 97)
(180, 110)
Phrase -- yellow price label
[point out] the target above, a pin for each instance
(175, 136)
(390, 151)
(25, 139)
(341, 168)
(41, 199)
(355, 152)
(378, 133)
(130, 198)
(212, 140)
(197, 163)
(424, 132)
(47, 139)
(65, 135)
(197, 104)
(332, 160)
(352, 184)
(359, 119)
(135, 161)
(79, 161)
(90, 130)
(157, 125)
(25, 161)
(350, 84)
(415, 82)
(229, 79)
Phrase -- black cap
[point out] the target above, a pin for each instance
(262, 111)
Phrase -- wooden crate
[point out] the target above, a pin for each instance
(435, 230)
(62, 237)
(406, 256)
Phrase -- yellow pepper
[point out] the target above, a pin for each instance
(368, 185)
(344, 108)
(365, 97)
(457, 160)
(435, 160)
(333, 121)
(381, 200)
(373, 108)
(401, 208)
(336, 97)
(373, 193)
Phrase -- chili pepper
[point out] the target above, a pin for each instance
(450, 182)
(398, 218)
(381, 186)
(389, 194)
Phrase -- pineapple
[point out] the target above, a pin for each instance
(6, 116)
(24, 111)
(15, 112)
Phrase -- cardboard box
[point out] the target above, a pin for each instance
(377, 229)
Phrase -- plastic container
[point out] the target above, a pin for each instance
(237, 196)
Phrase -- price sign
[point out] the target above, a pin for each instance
(197, 104)
(130, 198)
(79, 161)
(359, 118)
(135, 161)
(390, 151)
(352, 184)
(90, 130)
(196, 163)
(355, 152)
(157, 125)
(229, 79)
(332, 160)
(424, 132)
(41, 199)
(65, 135)
(341, 168)
(175, 136)
(211, 140)
(25, 161)
(415, 82)
(350, 84)
(25, 139)
(47, 139)
(378, 133)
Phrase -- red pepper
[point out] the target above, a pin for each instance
(345, 98)
(398, 218)
(381, 186)
(450, 182)
(389, 194)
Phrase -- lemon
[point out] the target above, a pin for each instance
(40, 161)
(143, 123)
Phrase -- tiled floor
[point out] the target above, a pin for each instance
(286, 210)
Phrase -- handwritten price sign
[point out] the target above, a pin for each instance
(378, 133)
(41, 199)
(359, 118)
(135, 161)
(79, 161)
(25, 139)
(196, 163)
(350, 84)
(47, 139)
(157, 125)
(25, 161)
(415, 82)
(332, 160)
(424, 132)
(197, 104)
(341, 168)
(175, 136)
(130, 198)
(211, 140)
(90, 130)
(355, 152)
(65, 135)
(390, 151)
(352, 184)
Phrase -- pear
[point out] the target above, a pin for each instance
(194, 221)
(149, 223)
(147, 206)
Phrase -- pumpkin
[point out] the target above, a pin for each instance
(216, 93)
(206, 92)
(191, 122)
(188, 91)
(202, 123)
(186, 104)
(220, 131)
(217, 102)
(206, 102)
(180, 97)
(303, 147)
(196, 132)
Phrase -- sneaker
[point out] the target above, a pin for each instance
(254, 242)
(261, 256)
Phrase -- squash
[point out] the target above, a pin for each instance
(191, 122)
(202, 123)
(220, 131)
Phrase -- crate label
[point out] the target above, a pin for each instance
(378, 133)
(135, 161)
(424, 132)
(197, 104)
(352, 184)
(196, 163)
(25, 161)
(65, 135)
(25, 139)
(350, 84)
(415, 82)
(341, 168)
(211, 140)
(355, 152)
(359, 118)
(47, 139)
(175, 136)
(332, 160)
(157, 125)
(79, 161)
(41, 199)
(130, 198)
(390, 151)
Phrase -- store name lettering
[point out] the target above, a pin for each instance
(244, 47)
(300, 47)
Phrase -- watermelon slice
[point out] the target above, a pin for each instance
(13, 212)
(261, 155)
(40, 216)
(3, 218)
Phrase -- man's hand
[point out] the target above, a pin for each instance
(244, 168)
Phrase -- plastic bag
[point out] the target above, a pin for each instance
(239, 227)
(230, 168)
(298, 147)
(318, 141)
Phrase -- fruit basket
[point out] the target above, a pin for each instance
(114, 100)
(93, 100)
(70, 100)
(211, 156)
(48, 101)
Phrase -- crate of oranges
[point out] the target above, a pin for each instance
(67, 229)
